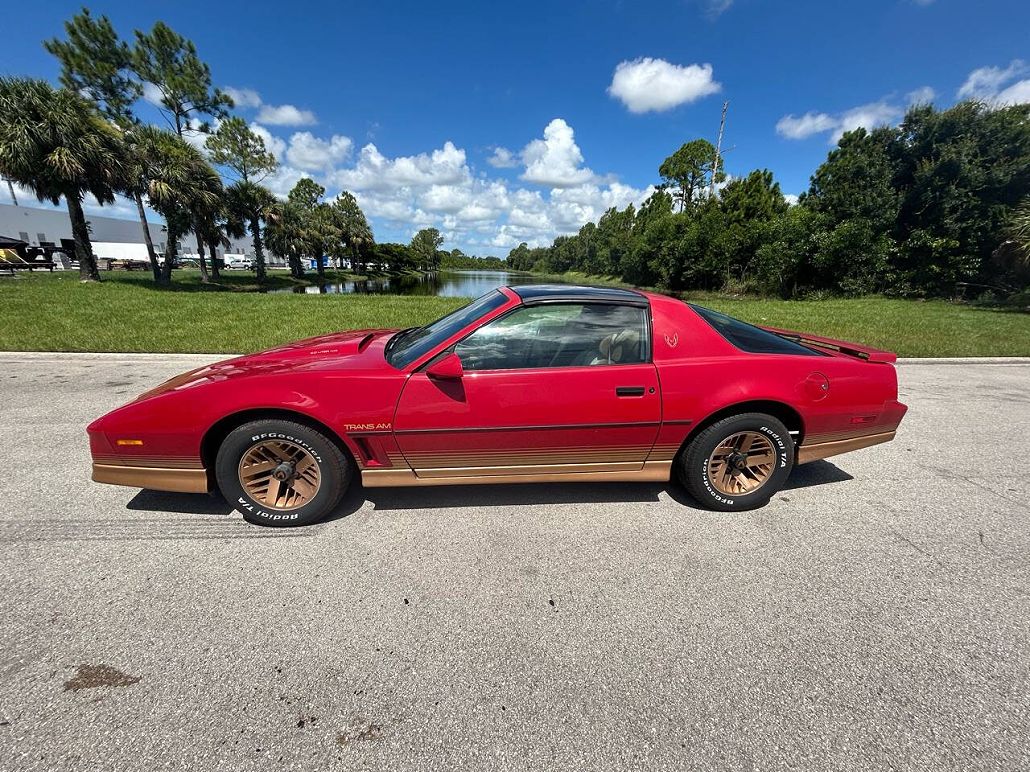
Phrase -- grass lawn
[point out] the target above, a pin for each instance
(126, 312)
(54, 312)
(912, 328)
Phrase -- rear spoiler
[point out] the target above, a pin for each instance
(851, 349)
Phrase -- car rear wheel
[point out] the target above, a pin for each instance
(281, 473)
(738, 463)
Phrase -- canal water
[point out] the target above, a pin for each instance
(460, 284)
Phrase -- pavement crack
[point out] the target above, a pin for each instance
(917, 548)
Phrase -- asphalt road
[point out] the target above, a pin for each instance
(875, 615)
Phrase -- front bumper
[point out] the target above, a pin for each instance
(153, 478)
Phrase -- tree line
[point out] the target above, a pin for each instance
(458, 260)
(84, 138)
(935, 206)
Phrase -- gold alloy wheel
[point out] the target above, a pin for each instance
(742, 463)
(279, 474)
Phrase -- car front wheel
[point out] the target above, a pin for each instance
(281, 473)
(738, 463)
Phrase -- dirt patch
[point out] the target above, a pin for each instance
(371, 732)
(92, 676)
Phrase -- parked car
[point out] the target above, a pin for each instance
(241, 262)
(525, 384)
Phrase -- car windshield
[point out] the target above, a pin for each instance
(408, 345)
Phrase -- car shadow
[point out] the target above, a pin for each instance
(507, 495)
(523, 494)
(504, 495)
(815, 473)
(183, 503)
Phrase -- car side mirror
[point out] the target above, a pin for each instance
(446, 369)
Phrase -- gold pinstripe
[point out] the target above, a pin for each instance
(170, 462)
(846, 434)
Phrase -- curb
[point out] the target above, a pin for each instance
(28, 355)
(964, 361)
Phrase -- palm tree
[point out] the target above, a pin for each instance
(286, 234)
(10, 189)
(206, 210)
(1019, 230)
(55, 143)
(183, 188)
(217, 235)
(142, 144)
(223, 226)
(354, 229)
(249, 204)
(323, 234)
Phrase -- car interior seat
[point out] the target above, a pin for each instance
(618, 347)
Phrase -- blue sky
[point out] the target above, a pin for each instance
(505, 123)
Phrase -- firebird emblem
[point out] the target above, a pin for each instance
(674, 340)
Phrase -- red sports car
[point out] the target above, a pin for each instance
(525, 384)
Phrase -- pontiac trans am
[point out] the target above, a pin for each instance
(525, 384)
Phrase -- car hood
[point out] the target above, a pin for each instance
(351, 350)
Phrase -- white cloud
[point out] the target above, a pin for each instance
(503, 158)
(805, 126)
(281, 182)
(244, 97)
(390, 207)
(717, 7)
(447, 198)
(555, 160)
(308, 152)
(921, 96)
(374, 171)
(194, 133)
(122, 208)
(998, 86)
(275, 145)
(285, 115)
(648, 84)
(23, 195)
(867, 116)
(987, 81)
(1016, 94)
(152, 94)
(476, 212)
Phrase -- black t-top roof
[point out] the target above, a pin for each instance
(563, 293)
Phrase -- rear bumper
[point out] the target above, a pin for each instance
(153, 478)
(883, 430)
(820, 450)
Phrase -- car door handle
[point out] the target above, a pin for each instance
(629, 391)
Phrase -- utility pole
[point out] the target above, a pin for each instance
(718, 147)
(10, 187)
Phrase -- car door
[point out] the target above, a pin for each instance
(551, 388)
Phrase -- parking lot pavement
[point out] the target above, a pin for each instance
(873, 616)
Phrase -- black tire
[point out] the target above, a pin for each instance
(334, 470)
(694, 462)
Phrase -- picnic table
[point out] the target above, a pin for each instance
(11, 262)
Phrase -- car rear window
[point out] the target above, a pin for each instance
(749, 338)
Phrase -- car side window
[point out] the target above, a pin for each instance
(559, 335)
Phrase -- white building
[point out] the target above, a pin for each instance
(111, 237)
